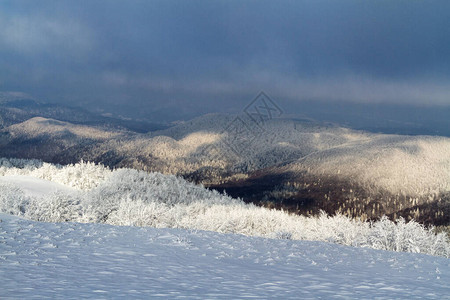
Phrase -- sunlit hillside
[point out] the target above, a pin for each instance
(298, 165)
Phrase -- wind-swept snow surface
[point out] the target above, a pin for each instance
(73, 261)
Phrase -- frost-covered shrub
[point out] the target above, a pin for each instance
(57, 207)
(12, 200)
(283, 235)
(136, 198)
(405, 237)
(83, 175)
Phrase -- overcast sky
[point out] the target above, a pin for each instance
(197, 53)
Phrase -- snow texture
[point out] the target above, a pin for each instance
(74, 261)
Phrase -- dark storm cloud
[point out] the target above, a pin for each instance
(111, 51)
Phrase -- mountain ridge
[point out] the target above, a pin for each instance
(387, 174)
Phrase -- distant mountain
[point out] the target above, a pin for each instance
(381, 118)
(300, 165)
(19, 107)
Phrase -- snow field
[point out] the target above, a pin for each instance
(75, 261)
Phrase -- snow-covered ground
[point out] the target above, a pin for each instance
(34, 187)
(84, 259)
(73, 261)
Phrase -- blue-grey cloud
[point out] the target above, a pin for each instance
(150, 52)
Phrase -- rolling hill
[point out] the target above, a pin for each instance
(300, 165)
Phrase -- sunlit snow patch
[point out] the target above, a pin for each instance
(34, 187)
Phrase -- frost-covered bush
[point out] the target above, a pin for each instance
(12, 200)
(57, 207)
(83, 175)
(405, 237)
(137, 198)
(283, 235)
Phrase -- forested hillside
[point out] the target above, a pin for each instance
(298, 165)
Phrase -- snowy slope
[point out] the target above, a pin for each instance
(34, 187)
(88, 193)
(39, 126)
(416, 165)
(413, 165)
(73, 261)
